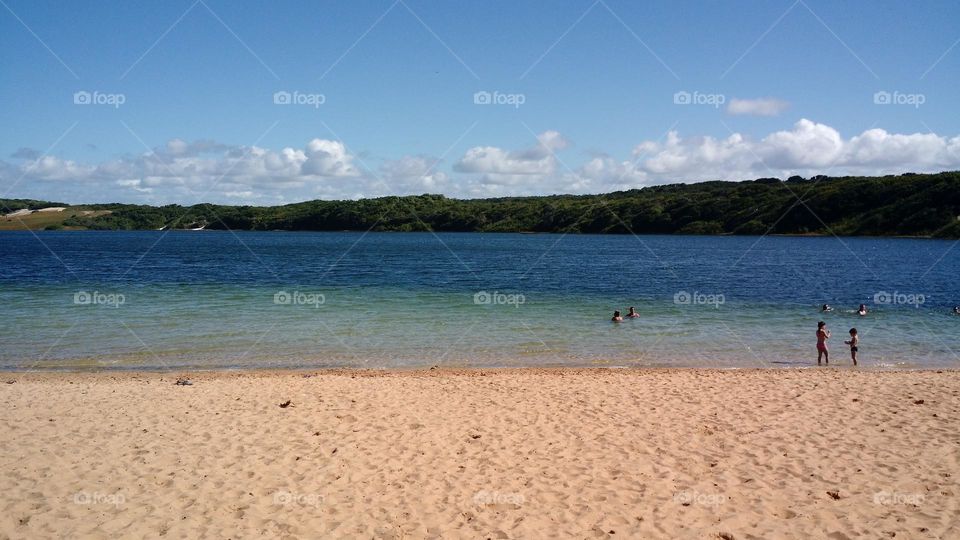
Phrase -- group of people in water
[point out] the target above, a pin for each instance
(631, 314)
(823, 334)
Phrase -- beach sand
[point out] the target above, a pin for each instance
(526, 453)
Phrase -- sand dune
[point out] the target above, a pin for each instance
(482, 454)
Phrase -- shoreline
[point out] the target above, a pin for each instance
(555, 233)
(454, 371)
(482, 453)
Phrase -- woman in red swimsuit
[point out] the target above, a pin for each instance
(822, 336)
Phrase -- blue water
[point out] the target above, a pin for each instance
(155, 300)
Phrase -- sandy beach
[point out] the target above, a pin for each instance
(525, 453)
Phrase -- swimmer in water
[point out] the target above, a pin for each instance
(956, 310)
(616, 317)
(826, 308)
(632, 314)
(822, 336)
(862, 310)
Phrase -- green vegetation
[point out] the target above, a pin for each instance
(909, 205)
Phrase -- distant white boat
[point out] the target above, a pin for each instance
(197, 228)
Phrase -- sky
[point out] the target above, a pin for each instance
(273, 102)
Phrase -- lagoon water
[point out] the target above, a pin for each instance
(220, 300)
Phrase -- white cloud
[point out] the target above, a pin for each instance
(326, 158)
(505, 167)
(189, 172)
(808, 148)
(757, 107)
(604, 173)
(413, 174)
(203, 161)
(135, 184)
(54, 168)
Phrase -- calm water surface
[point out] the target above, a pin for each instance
(134, 300)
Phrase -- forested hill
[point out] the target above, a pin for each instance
(910, 204)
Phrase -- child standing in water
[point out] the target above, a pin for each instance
(822, 336)
(854, 341)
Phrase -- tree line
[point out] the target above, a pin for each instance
(908, 205)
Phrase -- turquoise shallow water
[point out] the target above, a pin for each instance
(210, 300)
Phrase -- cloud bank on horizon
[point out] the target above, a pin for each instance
(210, 171)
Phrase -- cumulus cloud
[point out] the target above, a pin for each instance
(604, 173)
(414, 174)
(181, 162)
(501, 166)
(757, 107)
(808, 148)
(187, 172)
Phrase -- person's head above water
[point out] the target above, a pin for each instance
(826, 307)
(862, 307)
(632, 312)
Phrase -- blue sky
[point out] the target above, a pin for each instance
(593, 96)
